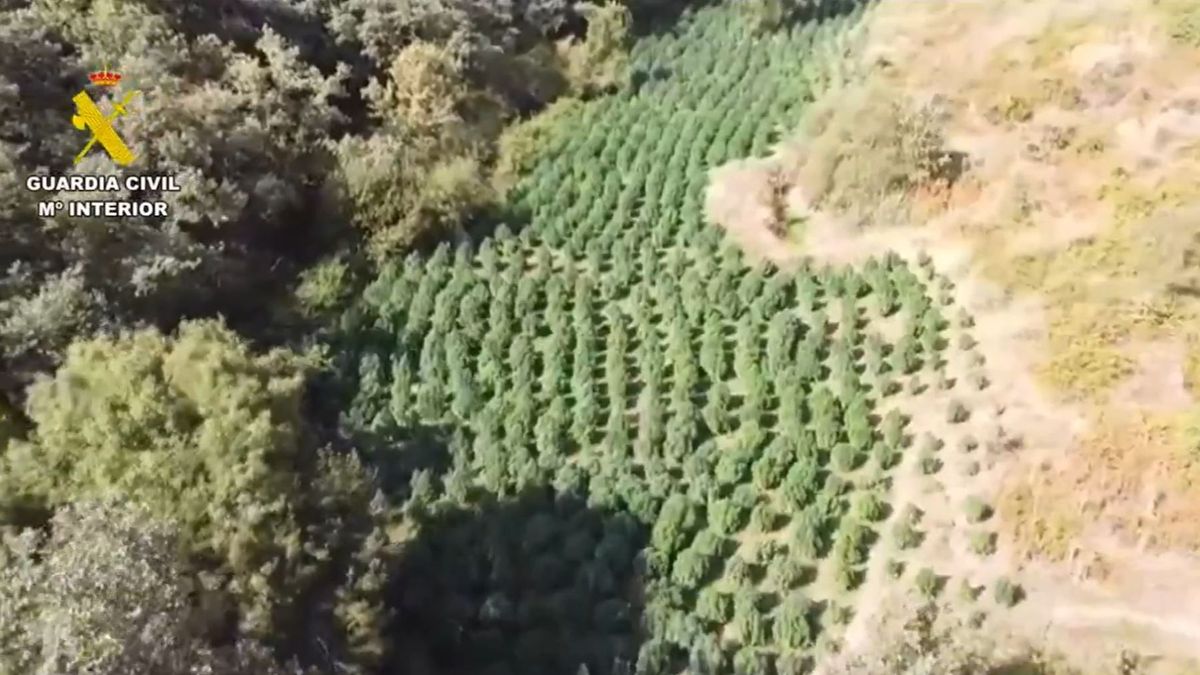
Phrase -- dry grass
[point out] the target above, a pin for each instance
(1086, 117)
(1039, 517)
(868, 146)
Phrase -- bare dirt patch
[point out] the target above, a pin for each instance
(739, 200)
(1158, 379)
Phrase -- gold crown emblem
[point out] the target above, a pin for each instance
(104, 78)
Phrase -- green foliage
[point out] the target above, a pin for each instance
(676, 523)
(554, 411)
(325, 286)
(714, 606)
(976, 509)
(885, 456)
(957, 413)
(753, 627)
(793, 622)
(106, 593)
(869, 507)
(620, 350)
(871, 149)
(1006, 593)
(906, 536)
(928, 583)
(846, 458)
(221, 448)
(403, 188)
(928, 463)
(791, 572)
(523, 143)
(601, 61)
(982, 543)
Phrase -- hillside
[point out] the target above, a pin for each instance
(1066, 225)
(752, 337)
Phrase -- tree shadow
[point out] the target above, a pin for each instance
(822, 11)
(538, 583)
(664, 17)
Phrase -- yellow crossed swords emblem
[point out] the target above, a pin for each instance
(89, 117)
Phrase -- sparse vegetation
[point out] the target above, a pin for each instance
(520, 407)
(906, 535)
(957, 413)
(983, 543)
(976, 510)
(874, 148)
(928, 583)
(1006, 592)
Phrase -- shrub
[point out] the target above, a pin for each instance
(840, 615)
(928, 583)
(971, 468)
(930, 443)
(601, 61)
(764, 518)
(219, 433)
(325, 286)
(983, 543)
(752, 626)
(726, 516)
(806, 535)
(848, 578)
(749, 661)
(978, 380)
(521, 144)
(966, 342)
(690, 569)
(1006, 593)
(676, 522)
(928, 463)
(741, 571)
(714, 606)
(977, 510)
(869, 508)
(892, 428)
(968, 443)
(915, 386)
(895, 568)
(885, 456)
(957, 413)
(791, 572)
(793, 625)
(869, 149)
(943, 382)
(845, 457)
(906, 536)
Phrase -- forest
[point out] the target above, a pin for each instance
(436, 365)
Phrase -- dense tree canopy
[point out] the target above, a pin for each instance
(212, 438)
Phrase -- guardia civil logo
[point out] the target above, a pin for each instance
(99, 195)
(89, 118)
